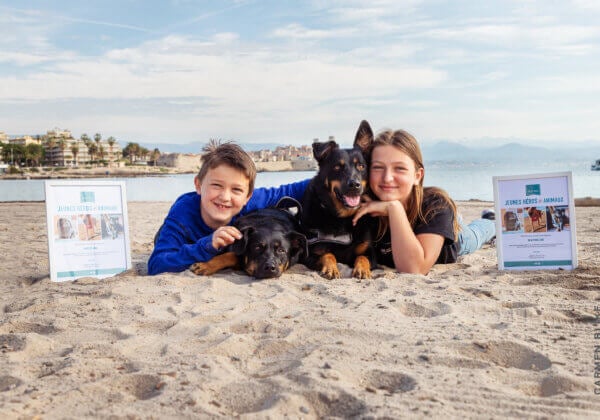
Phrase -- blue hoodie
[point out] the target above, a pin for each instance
(184, 238)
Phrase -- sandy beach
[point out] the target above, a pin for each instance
(465, 341)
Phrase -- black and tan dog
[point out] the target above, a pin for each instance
(270, 244)
(329, 203)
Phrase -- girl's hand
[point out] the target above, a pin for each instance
(374, 208)
(225, 235)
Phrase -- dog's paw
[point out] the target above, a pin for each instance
(329, 268)
(331, 272)
(203, 269)
(361, 274)
(362, 268)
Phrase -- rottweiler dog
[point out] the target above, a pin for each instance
(271, 243)
(331, 199)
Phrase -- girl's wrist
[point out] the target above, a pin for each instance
(394, 204)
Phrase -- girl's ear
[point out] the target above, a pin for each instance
(419, 173)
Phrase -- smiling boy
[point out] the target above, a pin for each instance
(198, 225)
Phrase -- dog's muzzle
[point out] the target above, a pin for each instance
(351, 197)
(270, 269)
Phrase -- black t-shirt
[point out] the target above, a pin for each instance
(440, 223)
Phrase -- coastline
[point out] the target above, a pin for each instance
(139, 171)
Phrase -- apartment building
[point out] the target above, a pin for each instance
(62, 149)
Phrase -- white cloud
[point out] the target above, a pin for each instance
(295, 31)
(177, 67)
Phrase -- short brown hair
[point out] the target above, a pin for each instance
(217, 153)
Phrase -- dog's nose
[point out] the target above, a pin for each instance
(270, 267)
(354, 184)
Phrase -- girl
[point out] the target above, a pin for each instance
(420, 226)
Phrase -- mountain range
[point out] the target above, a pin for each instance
(510, 152)
(445, 151)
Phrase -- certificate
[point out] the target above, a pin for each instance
(535, 222)
(88, 233)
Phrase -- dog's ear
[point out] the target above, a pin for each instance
(364, 137)
(322, 150)
(298, 246)
(240, 245)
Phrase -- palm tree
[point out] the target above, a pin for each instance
(111, 142)
(86, 141)
(97, 138)
(119, 153)
(144, 153)
(75, 151)
(131, 151)
(50, 145)
(34, 153)
(92, 149)
(62, 144)
(155, 155)
(101, 152)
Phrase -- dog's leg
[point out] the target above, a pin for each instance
(226, 260)
(362, 268)
(329, 266)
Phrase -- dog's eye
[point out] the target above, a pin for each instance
(360, 166)
(337, 167)
(281, 250)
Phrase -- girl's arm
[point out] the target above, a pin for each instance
(411, 253)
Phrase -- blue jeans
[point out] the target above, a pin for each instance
(472, 236)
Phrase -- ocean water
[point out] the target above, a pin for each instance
(463, 181)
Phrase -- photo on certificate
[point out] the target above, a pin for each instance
(87, 229)
(537, 221)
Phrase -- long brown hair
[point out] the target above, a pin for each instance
(406, 143)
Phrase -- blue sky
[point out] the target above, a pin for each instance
(290, 71)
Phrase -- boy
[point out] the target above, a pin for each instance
(198, 224)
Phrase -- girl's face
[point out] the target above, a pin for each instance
(393, 174)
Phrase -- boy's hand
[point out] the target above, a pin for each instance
(225, 235)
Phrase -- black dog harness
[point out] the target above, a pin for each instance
(314, 236)
(317, 236)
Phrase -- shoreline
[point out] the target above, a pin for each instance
(140, 171)
(117, 174)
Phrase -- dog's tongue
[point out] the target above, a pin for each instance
(352, 200)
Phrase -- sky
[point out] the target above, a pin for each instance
(283, 71)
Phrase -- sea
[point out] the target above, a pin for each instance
(463, 181)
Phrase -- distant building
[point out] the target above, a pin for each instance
(59, 146)
(25, 140)
(282, 153)
(3, 137)
(187, 162)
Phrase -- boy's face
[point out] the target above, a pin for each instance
(224, 192)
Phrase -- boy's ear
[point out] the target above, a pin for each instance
(248, 197)
(364, 136)
(197, 184)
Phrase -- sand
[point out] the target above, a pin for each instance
(466, 340)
